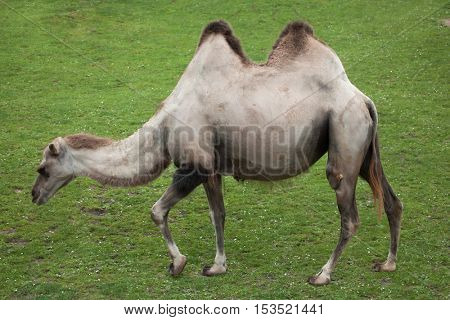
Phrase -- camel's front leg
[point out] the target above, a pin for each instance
(213, 188)
(184, 181)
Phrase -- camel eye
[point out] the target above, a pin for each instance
(43, 172)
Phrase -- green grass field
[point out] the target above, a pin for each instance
(103, 67)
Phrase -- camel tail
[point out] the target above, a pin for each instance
(372, 171)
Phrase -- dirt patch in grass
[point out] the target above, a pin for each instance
(38, 259)
(94, 211)
(8, 231)
(385, 282)
(17, 241)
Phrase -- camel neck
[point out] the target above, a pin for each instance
(132, 161)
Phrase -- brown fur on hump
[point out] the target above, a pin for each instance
(223, 28)
(86, 141)
(291, 42)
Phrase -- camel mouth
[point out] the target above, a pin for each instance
(42, 195)
(35, 196)
(38, 199)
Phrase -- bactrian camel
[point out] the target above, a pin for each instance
(230, 116)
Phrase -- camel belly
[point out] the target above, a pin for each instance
(272, 153)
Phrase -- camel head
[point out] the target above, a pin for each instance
(55, 171)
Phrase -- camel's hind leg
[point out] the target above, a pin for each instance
(344, 182)
(394, 209)
(392, 206)
(350, 134)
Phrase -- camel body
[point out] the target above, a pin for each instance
(230, 116)
(300, 96)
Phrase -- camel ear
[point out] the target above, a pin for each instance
(54, 149)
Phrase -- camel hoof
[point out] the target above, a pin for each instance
(384, 266)
(206, 272)
(319, 280)
(214, 270)
(177, 266)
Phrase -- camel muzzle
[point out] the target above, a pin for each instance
(35, 196)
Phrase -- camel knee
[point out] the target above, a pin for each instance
(158, 213)
(334, 176)
(348, 230)
(396, 209)
(352, 227)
